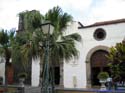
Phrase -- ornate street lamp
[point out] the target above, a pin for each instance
(47, 79)
(47, 28)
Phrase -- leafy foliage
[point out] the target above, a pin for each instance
(30, 41)
(33, 41)
(116, 58)
(22, 75)
(6, 48)
(62, 47)
(30, 20)
(58, 18)
(6, 41)
(103, 75)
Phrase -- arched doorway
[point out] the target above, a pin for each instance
(98, 63)
(88, 62)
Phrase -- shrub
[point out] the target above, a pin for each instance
(103, 75)
(22, 75)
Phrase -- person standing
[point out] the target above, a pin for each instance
(109, 83)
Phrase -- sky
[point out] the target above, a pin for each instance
(85, 11)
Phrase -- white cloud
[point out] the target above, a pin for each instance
(110, 9)
(10, 8)
(7, 14)
(79, 4)
(86, 11)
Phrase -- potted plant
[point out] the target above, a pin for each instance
(22, 77)
(102, 76)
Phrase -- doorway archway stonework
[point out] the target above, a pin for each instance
(88, 62)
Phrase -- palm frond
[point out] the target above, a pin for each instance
(30, 20)
(64, 50)
(58, 18)
(74, 36)
(4, 38)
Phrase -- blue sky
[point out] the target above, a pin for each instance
(85, 11)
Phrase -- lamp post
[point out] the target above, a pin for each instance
(47, 85)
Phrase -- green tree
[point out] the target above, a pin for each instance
(61, 47)
(29, 20)
(59, 19)
(116, 58)
(6, 44)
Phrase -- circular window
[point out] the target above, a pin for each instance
(99, 34)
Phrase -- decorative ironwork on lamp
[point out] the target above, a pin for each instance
(47, 79)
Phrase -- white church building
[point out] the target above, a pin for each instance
(96, 41)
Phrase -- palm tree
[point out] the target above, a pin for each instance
(29, 20)
(61, 43)
(62, 47)
(6, 42)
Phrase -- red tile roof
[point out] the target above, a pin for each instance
(106, 23)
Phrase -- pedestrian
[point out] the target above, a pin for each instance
(109, 83)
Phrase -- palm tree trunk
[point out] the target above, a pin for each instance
(7, 58)
(6, 81)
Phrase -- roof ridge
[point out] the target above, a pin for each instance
(106, 22)
(111, 21)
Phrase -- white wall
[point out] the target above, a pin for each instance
(76, 67)
(114, 34)
(2, 69)
(35, 72)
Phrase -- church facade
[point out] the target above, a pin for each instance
(82, 72)
(96, 41)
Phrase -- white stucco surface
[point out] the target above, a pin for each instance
(35, 72)
(115, 33)
(2, 69)
(76, 67)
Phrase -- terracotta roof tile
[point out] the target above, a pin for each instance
(106, 23)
